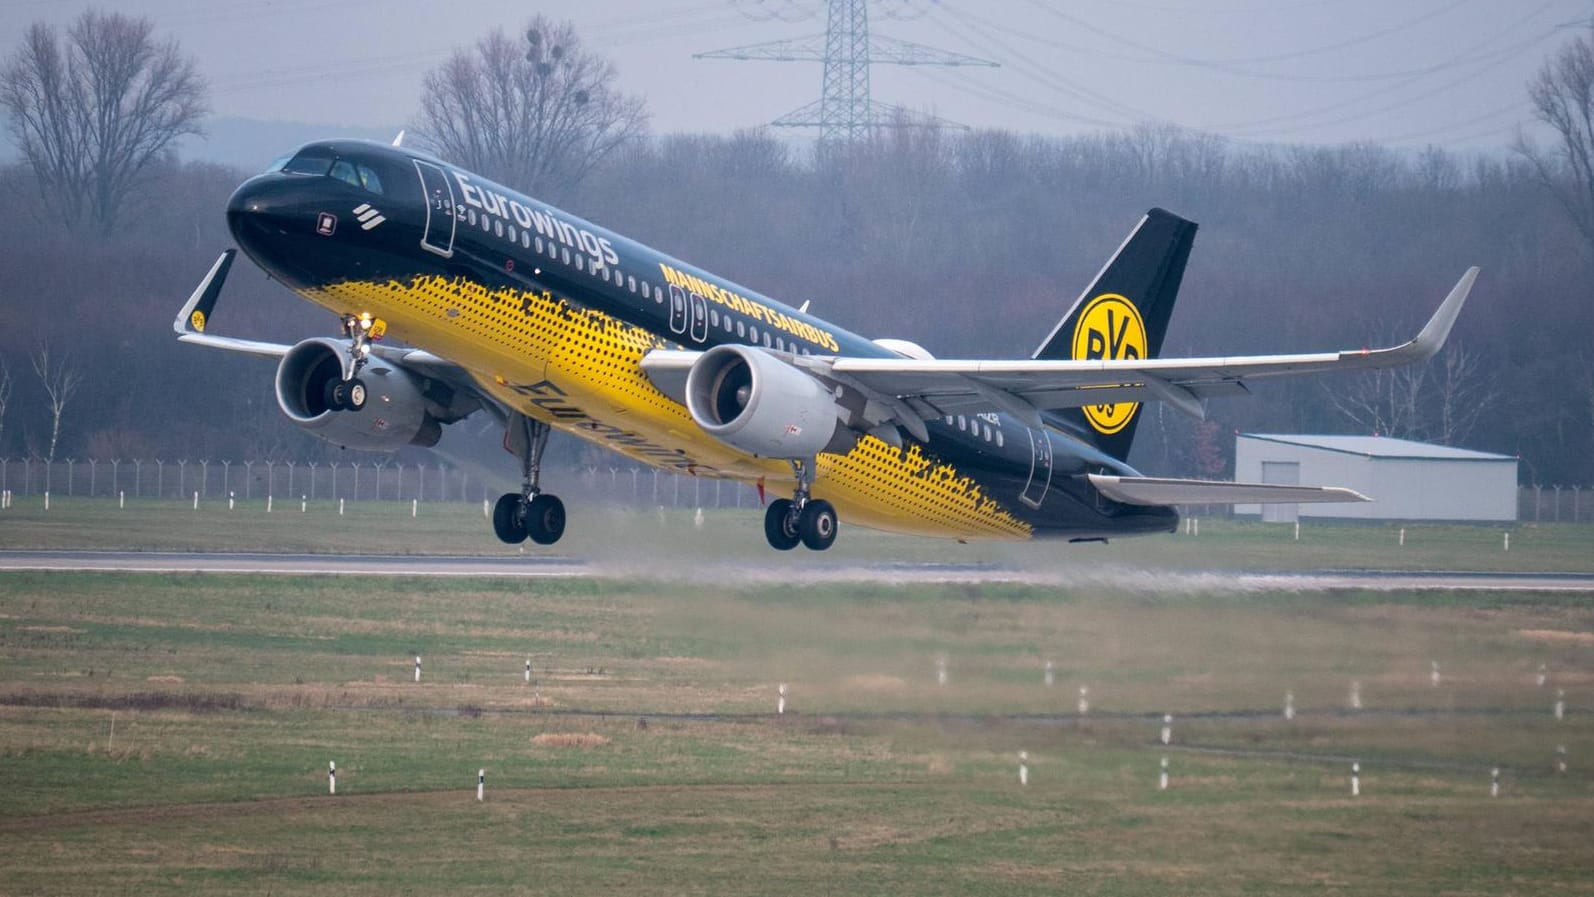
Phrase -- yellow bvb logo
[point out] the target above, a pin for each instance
(1110, 328)
(198, 320)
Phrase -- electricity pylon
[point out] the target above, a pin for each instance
(844, 111)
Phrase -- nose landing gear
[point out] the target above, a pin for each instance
(529, 513)
(349, 394)
(801, 519)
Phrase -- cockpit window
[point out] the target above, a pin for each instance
(313, 161)
(368, 179)
(320, 161)
(343, 170)
(277, 164)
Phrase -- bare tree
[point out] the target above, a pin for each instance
(1466, 390)
(1562, 95)
(60, 380)
(535, 114)
(5, 400)
(92, 113)
(1385, 402)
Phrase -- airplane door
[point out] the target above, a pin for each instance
(439, 193)
(699, 317)
(1040, 469)
(678, 310)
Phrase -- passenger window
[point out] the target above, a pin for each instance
(713, 317)
(344, 171)
(498, 228)
(579, 264)
(472, 214)
(565, 254)
(963, 423)
(631, 282)
(525, 239)
(999, 439)
(741, 330)
(369, 180)
(987, 429)
(538, 243)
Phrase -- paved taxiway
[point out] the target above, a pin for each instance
(810, 570)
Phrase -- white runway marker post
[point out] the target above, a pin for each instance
(1289, 705)
(1402, 537)
(1507, 541)
(1433, 672)
(1050, 676)
(47, 500)
(1162, 777)
(1356, 779)
(417, 668)
(415, 508)
(232, 500)
(1355, 695)
(332, 777)
(121, 499)
(485, 511)
(1560, 759)
(481, 783)
(196, 501)
(1543, 675)
(268, 504)
(1560, 703)
(304, 503)
(528, 671)
(780, 699)
(940, 670)
(697, 519)
(1084, 700)
(1494, 782)
(1167, 727)
(1023, 768)
(340, 507)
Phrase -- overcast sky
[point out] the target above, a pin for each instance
(1404, 73)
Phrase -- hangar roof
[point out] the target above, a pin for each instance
(1379, 447)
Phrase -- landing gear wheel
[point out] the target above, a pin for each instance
(344, 395)
(509, 518)
(816, 525)
(545, 519)
(780, 525)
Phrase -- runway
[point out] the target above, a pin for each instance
(810, 570)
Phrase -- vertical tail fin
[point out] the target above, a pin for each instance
(1124, 314)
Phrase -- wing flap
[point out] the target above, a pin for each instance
(1164, 491)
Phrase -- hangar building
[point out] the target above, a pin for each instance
(1406, 480)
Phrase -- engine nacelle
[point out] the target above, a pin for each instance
(396, 413)
(753, 401)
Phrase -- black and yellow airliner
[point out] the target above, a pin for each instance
(507, 306)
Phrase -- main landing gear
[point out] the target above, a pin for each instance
(529, 513)
(349, 395)
(810, 521)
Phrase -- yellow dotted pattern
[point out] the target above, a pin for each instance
(508, 338)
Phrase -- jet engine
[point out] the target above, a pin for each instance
(396, 411)
(753, 401)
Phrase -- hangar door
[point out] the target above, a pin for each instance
(1281, 473)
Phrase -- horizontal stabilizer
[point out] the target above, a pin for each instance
(1163, 491)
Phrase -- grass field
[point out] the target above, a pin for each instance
(171, 734)
(650, 538)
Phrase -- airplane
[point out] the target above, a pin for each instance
(510, 307)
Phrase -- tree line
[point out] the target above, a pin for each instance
(969, 243)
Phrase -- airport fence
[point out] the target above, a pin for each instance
(353, 481)
(441, 482)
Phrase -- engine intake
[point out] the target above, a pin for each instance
(754, 402)
(396, 411)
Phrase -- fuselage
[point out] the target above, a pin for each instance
(551, 316)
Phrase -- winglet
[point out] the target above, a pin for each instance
(196, 311)
(1432, 338)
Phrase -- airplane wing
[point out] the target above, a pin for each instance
(915, 390)
(1163, 491)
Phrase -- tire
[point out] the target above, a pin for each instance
(817, 524)
(545, 519)
(509, 518)
(354, 395)
(780, 527)
(332, 395)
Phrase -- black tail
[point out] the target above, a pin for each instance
(1124, 314)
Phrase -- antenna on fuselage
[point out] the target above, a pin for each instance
(399, 140)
